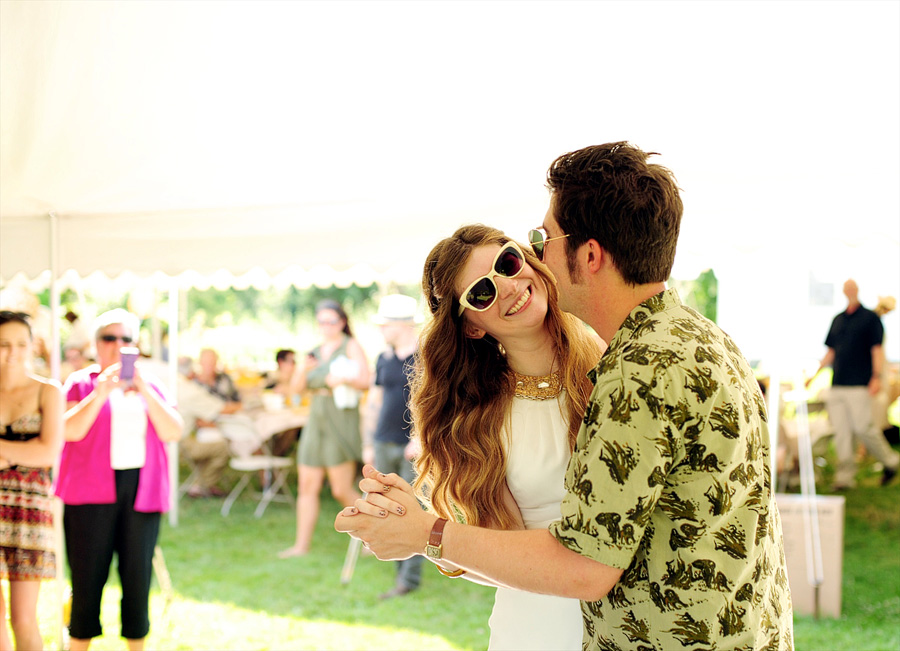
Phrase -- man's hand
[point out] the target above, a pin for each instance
(874, 385)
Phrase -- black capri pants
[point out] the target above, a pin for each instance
(93, 533)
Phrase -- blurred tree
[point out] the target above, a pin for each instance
(705, 294)
(700, 293)
(287, 305)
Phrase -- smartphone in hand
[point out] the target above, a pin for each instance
(129, 355)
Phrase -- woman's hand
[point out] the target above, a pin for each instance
(108, 380)
(166, 420)
(309, 363)
(80, 416)
(375, 487)
(138, 381)
(370, 519)
(413, 449)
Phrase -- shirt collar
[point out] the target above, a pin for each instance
(637, 320)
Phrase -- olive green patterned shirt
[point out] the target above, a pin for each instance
(670, 481)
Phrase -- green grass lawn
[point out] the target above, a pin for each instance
(232, 592)
(870, 615)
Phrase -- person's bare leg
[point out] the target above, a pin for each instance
(23, 599)
(5, 639)
(135, 645)
(77, 644)
(342, 479)
(309, 485)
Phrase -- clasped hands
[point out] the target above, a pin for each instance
(388, 518)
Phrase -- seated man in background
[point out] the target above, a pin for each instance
(204, 446)
(214, 427)
(217, 382)
(280, 382)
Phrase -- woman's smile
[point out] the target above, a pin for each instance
(523, 299)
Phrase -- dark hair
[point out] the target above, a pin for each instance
(331, 304)
(609, 193)
(282, 354)
(8, 316)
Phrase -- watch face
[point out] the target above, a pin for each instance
(433, 552)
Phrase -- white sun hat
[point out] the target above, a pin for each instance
(397, 308)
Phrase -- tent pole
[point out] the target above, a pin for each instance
(173, 387)
(54, 298)
(55, 348)
(155, 333)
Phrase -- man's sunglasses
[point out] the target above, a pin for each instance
(482, 293)
(111, 338)
(538, 241)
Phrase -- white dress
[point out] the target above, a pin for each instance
(535, 471)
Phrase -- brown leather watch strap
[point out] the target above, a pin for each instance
(437, 532)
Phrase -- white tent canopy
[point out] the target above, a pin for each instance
(210, 136)
(319, 142)
(315, 142)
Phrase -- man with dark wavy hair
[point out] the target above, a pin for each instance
(669, 532)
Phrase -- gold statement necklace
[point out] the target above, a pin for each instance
(544, 387)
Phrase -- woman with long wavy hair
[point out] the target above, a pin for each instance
(497, 398)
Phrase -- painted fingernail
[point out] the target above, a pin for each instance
(400, 510)
(352, 510)
(383, 513)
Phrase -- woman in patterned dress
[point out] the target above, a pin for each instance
(31, 410)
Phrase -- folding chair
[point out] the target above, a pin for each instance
(185, 486)
(275, 488)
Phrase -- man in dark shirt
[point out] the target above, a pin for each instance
(387, 431)
(856, 357)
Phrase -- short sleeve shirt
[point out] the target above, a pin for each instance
(670, 482)
(852, 336)
(224, 388)
(393, 375)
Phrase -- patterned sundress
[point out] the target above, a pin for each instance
(26, 517)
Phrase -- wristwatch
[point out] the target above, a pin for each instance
(434, 548)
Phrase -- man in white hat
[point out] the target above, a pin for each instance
(386, 429)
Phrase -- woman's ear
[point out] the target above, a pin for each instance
(473, 331)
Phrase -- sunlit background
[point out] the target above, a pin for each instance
(340, 141)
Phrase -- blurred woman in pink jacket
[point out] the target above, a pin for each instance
(114, 482)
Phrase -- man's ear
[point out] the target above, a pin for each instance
(473, 331)
(596, 256)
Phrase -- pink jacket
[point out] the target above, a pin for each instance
(85, 473)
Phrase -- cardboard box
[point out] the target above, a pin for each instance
(795, 522)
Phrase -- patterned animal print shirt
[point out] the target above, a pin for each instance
(670, 482)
